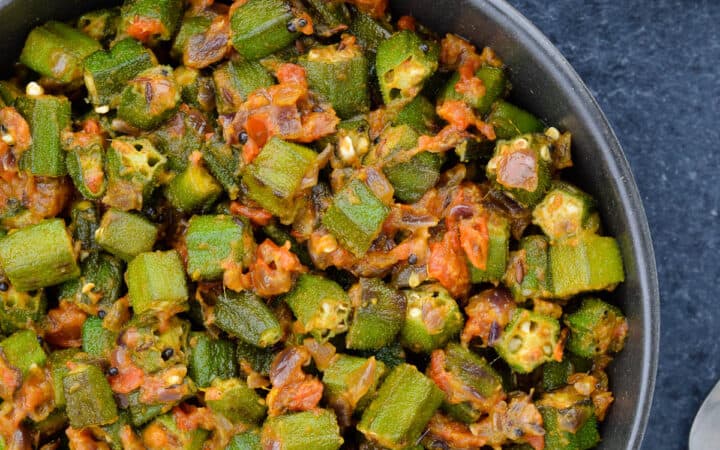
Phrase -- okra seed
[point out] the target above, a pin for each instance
(521, 144)
(515, 344)
(4, 286)
(104, 109)
(547, 349)
(424, 48)
(33, 89)
(8, 139)
(302, 22)
(346, 149)
(113, 371)
(243, 137)
(167, 353)
(552, 133)
(414, 280)
(525, 327)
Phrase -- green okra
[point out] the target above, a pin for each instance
(107, 72)
(274, 177)
(405, 402)
(254, 358)
(509, 121)
(212, 243)
(248, 440)
(498, 244)
(39, 255)
(520, 167)
(190, 27)
(320, 305)
(569, 420)
(133, 169)
(182, 438)
(494, 81)
(596, 328)
(154, 338)
(329, 17)
(233, 399)
(22, 351)
(344, 374)
(245, 316)
(432, 319)
(210, 359)
(86, 167)
(100, 282)
(585, 263)
(21, 310)
(125, 234)
(403, 63)
(179, 137)
(378, 315)
(260, 27)
(279, 236)
(564, 212)
(320, 431)
(196, 89)
(89, 399)
(419, 114)
(339, 75)
(84, 221)
(150, 20)
(9, 92)
(369, 32)
(96, 339)
(150, 98)
(141, 413)
(555, 373)
(57, 51)
(225, 163)
(48, 116)
(473, 375)
(156, 283)
(528, 271)
(100, 24)
(355, 217)
(235, 80)
(194, 189)
(529, 340)
(57, 364)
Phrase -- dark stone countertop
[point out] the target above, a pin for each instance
(653, 67)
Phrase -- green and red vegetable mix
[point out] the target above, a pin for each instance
(285, 224)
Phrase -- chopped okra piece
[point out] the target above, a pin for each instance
(38, 256)
(405, 402)
(528, 270)
(141, 413)
(150, 21)
(378, 315)
(279, 236)
(585, 263)
(246, 317)
(351, 381)
(260, 27)
(133, 168)
(9, 91)
(150, 98)
(355, 217)
(99, 284)
(195, 189)
(96, 339)
(564, 212)
(101, 24)
(89, 399)
(21, 310)
(84, 221)
(555, 374)
(320, 305)
(529, 340)
(225, 164)
(48, 116)
(179, 137)
(494, 82)
(160, 345)
(156, 283)
(509, 121)
(235, 400)
(57, 364)
(107, 72)
(329, 16)
(190, 27)
(521, 168)
(182, 437)
(419, 114)
(569, 420)
(196, 88)
(596, 329)
(274, 177)
(22, 351)
(212, 243)
(498, 243)
(125, 234)
(85, 162)
(210, 359)
(254, 358)
(432, 319)
(317, 429)
(410, 179)
(370, 32)
(403, 64)
(472, 387)
(57, 51)
(235, 80)
(248, 440)
(339, 75)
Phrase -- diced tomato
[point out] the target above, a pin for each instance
(144, 28)
(258, 216)
(129, 377)
(406, 23)
(448, 266)
(63, 327)
(474, 239)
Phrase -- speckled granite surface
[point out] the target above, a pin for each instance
(654, 67)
